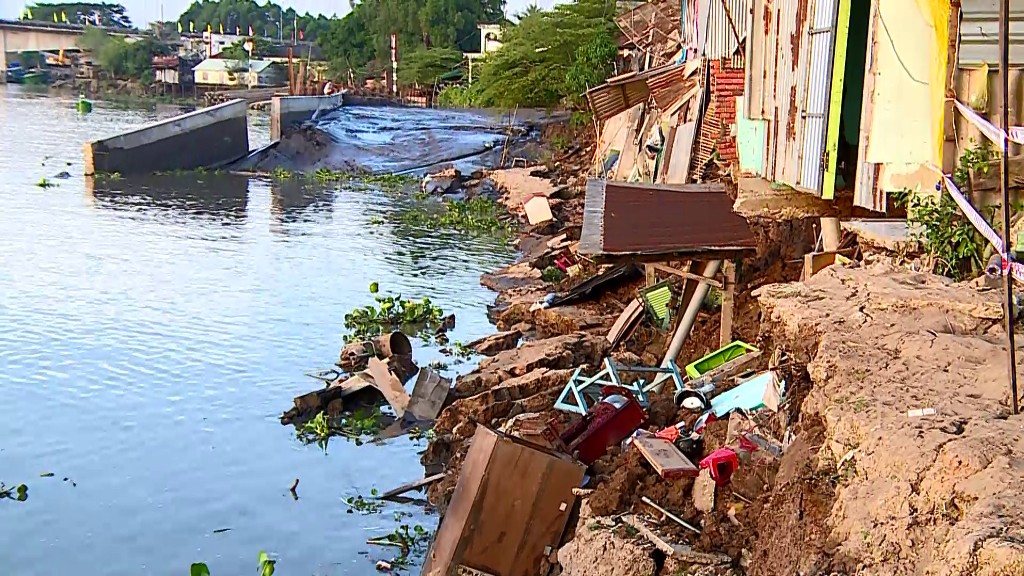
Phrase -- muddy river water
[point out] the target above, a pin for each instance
(152, 332)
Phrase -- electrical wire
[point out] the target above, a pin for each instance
(895, 51)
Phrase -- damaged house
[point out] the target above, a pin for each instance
(823, 96)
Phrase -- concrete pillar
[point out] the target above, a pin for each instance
(3, 56)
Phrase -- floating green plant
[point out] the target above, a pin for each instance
(474, 215)
(392, 313)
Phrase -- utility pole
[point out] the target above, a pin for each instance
(1004, 184)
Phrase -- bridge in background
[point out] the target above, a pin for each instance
(35, 36)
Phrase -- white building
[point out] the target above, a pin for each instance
(219, 72)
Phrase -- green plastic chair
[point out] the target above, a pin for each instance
(656, 300)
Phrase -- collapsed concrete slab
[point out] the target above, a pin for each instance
(287, 111)
(205, 138)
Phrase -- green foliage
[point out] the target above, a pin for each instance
(199, 569)
(392, 313)
(978, 157)
(44, 183)
(474, 215)
(410, 540)
(426, 66)
(363, 505)
(364, 34)
(552, 274)
(110, 15)
(120, 58)
(352, 425)
(550, 57)
(947, 235)
(456, 96)
(267, 20)
(19, 492)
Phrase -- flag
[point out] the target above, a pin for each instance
(179, 28)
(301, 35)
(209, 28)
(29, 12)
(250, 29)
(21, 14)
(191, 26)
(54, 16)
(63, 17)
(238, 30)
(222, 28)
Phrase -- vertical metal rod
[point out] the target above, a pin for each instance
(1004, 184)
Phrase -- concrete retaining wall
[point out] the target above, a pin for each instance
(203, 138)
(286, 111)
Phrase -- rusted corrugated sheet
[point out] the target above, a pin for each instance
(777, 74)
(727, 20)
(979, 33)
(618, 95)
(669, 84)
(621, 219)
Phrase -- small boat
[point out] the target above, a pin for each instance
(83, 106)
(35, 77)
(14, 73)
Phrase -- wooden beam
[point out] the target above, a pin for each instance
(688, 275)
(728, 302)
(650, 275)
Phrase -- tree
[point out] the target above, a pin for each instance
(109, 15)
(268, 20)
(427, 65)
(550, 57)
(364, 34)
(120, 58)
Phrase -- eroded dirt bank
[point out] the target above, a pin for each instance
(916, 495)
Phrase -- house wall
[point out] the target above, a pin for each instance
(718, 128)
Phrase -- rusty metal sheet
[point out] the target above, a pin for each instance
(726, 20)
(617, 95)
(621, 219)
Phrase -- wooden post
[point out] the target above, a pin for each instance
(728, 301)
(1004, 101)
(649, 272)
(291, 74)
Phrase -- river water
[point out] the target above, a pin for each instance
(151, 332)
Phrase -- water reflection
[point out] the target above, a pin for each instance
(298, 200)
(212, 196)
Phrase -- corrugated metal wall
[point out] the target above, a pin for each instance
(822, 36)
(979, 33)
(725, 21)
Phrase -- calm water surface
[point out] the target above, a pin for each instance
(150, 335)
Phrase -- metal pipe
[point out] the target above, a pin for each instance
(1004, 184)
(686, 322)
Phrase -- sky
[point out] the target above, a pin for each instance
(144, 11)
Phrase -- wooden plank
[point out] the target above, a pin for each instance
(666, 459)
(689, 275)
(679, 551)
(625, 322)
(410, 486)
(389, 385)
(728, 303)
(650, 278)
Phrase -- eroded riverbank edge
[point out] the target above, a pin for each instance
(865, 488)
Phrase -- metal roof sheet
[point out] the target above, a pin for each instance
(625, 219)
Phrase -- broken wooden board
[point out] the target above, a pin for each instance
(666, 459)
(538, 210)
(428, 395)
(678, 551)
(509, 509)
(626, 321)
(388, 384)
(409, 487)
(704, 492)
